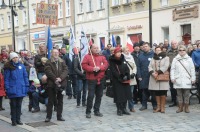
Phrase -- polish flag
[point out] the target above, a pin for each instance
(130, 45)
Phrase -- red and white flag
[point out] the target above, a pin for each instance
(130, 45)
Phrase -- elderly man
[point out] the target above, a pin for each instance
(95, 66)
(171, 53)
(56, 72)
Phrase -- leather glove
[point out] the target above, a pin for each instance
(132, 75)
(125, 78)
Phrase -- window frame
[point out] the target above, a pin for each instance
(68, 10)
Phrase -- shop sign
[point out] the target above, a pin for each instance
(191, 12)
(47, 14)
(134, 27)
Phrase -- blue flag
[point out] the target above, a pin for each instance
(84, 45)
(71, 43)
(102, 45)
(49, 43)
(113, 41)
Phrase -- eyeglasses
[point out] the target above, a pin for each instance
(181, 50)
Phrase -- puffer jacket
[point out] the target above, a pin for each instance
(183, 79)
(88, 65)
(16, 80)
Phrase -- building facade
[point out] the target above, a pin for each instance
(29, 34)
(91, 16)
(176, 20)
(129, 19)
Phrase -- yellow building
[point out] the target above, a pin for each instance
(29, 34)
(129, 19)
(176, 20)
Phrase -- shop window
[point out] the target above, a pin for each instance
(118, 40)
(165, 33)
(186, 33)
(135, 37)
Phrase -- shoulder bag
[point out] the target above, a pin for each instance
(127, 81)
(162, 77)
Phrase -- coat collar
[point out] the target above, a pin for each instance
(178, 57)
(59, 59)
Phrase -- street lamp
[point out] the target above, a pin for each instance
(13, 13)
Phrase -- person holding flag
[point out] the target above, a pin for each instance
(95, 66)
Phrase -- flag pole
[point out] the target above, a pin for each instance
(90, 50)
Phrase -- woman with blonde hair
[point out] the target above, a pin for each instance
(182, 76)
(133, 69)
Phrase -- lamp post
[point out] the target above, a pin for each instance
(150, 23)
(12, 6)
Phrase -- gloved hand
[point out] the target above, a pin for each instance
(132, 75)
(125, 78)
(63, 92)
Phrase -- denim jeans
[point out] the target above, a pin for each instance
(36, 99)
(81, 86)
(16, 105)
(40, 75)
(71, 85)
(145, 96)
(131, 102)
(97, 90)
(173, 91)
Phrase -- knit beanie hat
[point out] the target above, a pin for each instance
(13, 55)
(117, 49)
(36, 81)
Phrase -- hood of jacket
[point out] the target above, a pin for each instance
(159, 56)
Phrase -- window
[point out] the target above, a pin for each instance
(67, 7)
(60, 13)
(80, 6)
(24, 18)
(16, 21)
(164, 2)
(9, 20)
(127, 1)
(34, 16)
(90, 5)
(2, 22)
(184, 0)
(100, 4)
(115, 2)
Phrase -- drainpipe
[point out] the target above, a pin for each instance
(108, 21)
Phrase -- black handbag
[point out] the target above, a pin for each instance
(109, 91)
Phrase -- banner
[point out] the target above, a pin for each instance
(71, 43)
(47, 14)
(84, 45)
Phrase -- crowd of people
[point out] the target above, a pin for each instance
(145, 74)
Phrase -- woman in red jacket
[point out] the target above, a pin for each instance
(2, 91)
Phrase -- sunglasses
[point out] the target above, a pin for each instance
(181, 50)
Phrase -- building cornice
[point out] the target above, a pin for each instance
(93, 20)
(176, 6)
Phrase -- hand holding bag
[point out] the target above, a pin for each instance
(162, 77)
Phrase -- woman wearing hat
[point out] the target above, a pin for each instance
(16, 85)
(120, 81)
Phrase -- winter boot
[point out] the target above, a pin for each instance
(119, 111)
(187, 108)
(163, 101)
(158, 100)
(180, 108)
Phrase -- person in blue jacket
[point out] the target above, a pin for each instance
(16, 85)
(144, 75)
(196, 60)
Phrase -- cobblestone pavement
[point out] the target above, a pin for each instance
(137, 122)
